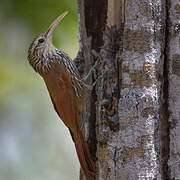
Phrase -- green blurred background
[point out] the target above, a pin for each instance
(34, 143)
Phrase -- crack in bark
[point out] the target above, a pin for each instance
(114, 159)
(121, 45)
(165, 114)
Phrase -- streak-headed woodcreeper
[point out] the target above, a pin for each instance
(66, 88)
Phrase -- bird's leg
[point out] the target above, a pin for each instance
(91, 71)
(99, 78)
(98, 57)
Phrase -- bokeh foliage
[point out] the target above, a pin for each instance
(34, 142)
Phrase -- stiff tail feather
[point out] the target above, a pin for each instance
(84, 156)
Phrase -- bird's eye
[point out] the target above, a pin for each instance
(41, 40)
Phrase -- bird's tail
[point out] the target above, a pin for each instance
(84, 156)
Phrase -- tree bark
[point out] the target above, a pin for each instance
(131, 117)
(173, 58)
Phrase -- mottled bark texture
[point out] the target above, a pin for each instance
(132, 116)
(173, 58)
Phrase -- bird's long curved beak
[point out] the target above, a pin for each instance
(53, 26)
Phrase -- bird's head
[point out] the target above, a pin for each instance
(42, 46)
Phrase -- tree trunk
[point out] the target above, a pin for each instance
(129, 129)
(173, 57)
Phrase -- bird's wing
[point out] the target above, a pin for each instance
(67, 104)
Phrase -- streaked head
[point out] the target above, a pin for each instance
(42, 45)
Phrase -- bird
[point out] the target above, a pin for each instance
(66, 88)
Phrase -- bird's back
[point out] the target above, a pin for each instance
(66, 89)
